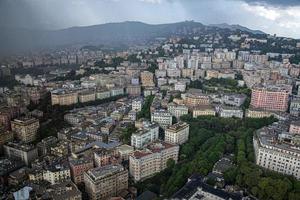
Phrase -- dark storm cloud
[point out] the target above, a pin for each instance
(271, 16)
(280, 3)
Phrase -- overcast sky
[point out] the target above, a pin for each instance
(271, 16)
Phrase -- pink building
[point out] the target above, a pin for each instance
(272, 98)
(78, 166)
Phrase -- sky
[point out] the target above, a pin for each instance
(281, 17)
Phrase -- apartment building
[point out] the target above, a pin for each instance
(57, 173)
(277, 152)
(79, 165)
(102, 94)
(228, 112)
(7, 114)
(145, 163)
(5, 136)
(272, 98)
(177, 133)
(63, 97)
(134, 90)
(25, 129)
(137, 104)
(204, 110)
(196, 99)
(149, 133)
(105, 182)
(86, 96)
(23, 152)
(177, 110)
(295, 127)
(162, 117)
(295, 106)
(103, 157)
(147, 79)
(116, 91)
(234, 99)
(257, 113)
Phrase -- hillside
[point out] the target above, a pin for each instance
(124, 33)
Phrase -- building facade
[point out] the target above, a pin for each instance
(145, 163)
(162, 117)
(272, 98)
(26, 129)
(177, 133)
(105, 182)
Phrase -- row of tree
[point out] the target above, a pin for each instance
(210, 138)
(145, 112)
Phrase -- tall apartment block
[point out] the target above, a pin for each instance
(272, 98)
(145, 163)
(177, 133)
(278, 150)
(25, 128)
(105, 182)
(147, 79)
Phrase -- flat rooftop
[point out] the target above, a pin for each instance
(101, 172)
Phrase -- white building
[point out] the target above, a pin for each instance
(177, 133)
(234, 99)
(57, 173)
(117, 91)
(276, 153)
(162, 117)
(227, 112)
(180, 86)
(149, 133)
(137, 104)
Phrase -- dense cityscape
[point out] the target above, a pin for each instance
(198, 112)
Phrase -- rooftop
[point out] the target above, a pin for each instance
(194, 183)
(20, 146)
(101, 172)
(178, 126)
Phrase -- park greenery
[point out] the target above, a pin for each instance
(225, 85)
(211, 138)
(8, 81)
(145, 112)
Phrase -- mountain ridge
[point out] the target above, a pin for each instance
(236, 27)
(127, 33)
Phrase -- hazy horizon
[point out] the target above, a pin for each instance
(273, 17)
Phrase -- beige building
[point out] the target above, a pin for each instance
(102, 94)
(147, 79)
(63, 97)
(145, 163)
(86, 96)
(26, 129)
(196, 99)
(203, 111)
(177, 133)
(256, 113)
(134, 90)
(211, 74)
(104, 182)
